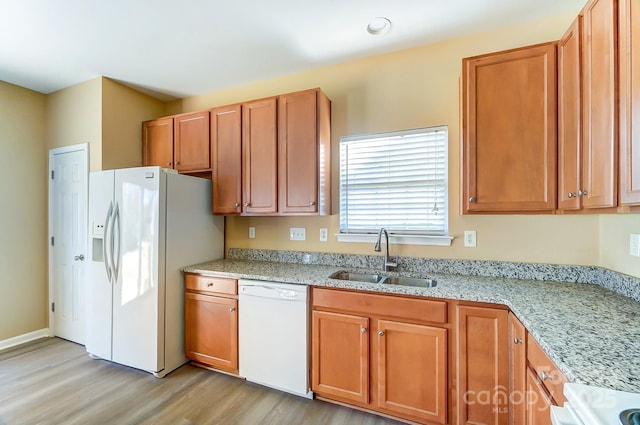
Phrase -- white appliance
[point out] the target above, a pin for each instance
(144, 225)
(273, 335)
(588, 405)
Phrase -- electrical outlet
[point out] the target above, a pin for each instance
(324, 234)
(470, 238)
(634, 244)
(297, 234)
(252, 232)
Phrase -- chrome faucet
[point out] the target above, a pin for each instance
(387, 262)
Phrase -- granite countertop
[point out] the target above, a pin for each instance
(591, 333)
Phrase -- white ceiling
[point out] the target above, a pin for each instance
(182, 48)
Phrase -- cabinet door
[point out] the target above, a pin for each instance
(600, 125)
(509, 131)
(298, 152)
(259, 157)
(157, 143)
(340, 356)
(629, 33)
(211, 331)
(226, 146)
(412, 370)
(517, 370)
(483, 368)
(191, 142)
(569, 117)
(538, 402)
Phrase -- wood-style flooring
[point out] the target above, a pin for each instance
(54, 382)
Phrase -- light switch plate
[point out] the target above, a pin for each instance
(252, 232)
(297, 234)
(470, 238)
(324, 234)
(634, 244)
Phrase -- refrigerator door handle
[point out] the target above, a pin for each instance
(105, 243)
(116, 243)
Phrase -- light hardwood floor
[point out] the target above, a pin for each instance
(53, 381)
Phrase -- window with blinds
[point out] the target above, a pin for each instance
(395, 180)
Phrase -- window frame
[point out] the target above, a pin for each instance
(400, 236)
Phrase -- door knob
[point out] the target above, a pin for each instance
(79, 257)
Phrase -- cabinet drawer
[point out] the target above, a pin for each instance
(546, 371)
(381, 305)
(218, 285)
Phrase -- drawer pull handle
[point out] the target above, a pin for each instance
(546, 376)
(363, 330)
(209, 284)
(381, 333)
(517, 341)
(232, 309)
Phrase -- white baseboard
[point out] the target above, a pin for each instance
(21, 339)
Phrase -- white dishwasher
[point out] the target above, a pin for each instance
(273, 335)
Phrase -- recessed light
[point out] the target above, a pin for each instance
(379, 26)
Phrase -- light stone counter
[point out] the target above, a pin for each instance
(591, 333)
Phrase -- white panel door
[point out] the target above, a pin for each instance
(68, 218)
(100, 288)
(138, 302)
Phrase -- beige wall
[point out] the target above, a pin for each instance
(23, 216)
(123, 110)
(408, 89)
(74, 115)
(614, 243)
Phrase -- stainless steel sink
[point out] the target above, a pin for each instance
(380, 278)
(358, 277)
(410, 281)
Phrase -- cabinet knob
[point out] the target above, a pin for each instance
(209, 284)
(79, 257)
(517, 341)
(363, 330)
(381, 333)
(177, 162)
(237, 204)
(169, 164)
(582, 192)
(545, 376)
(246, 204)
(232, 309)
(312, 203)
(571, 195)
(472, 199)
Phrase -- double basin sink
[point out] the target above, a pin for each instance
(381, 278)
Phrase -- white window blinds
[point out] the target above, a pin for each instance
(395, 180)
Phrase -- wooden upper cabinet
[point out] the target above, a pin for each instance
(304, 152)
(191, 142)
(569, 118)
(226, 159)
(629, 61)
(483, 368)
(157, 143)
(509, 131)
(600, 121)
(259, 157)
(412, 370)
(517, 370)
(340, 356)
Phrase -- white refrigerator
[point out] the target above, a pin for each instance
(144, 225)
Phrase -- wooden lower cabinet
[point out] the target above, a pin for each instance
(517, 370)
(538, 402)
(211, 322)
(370, 358)
(340, 353)
(483, 368)
(411, 361)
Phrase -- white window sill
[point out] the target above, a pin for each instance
(396, 239)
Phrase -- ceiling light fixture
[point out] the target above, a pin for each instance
(379, 26)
